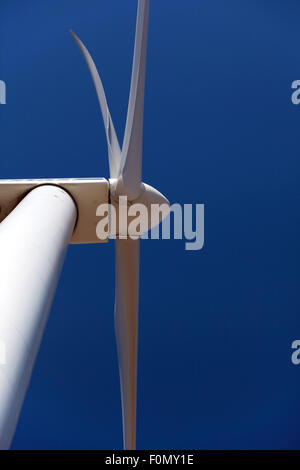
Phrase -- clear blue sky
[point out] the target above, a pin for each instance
(216, 326)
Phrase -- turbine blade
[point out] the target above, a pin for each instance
(133, 138)
(126, 327)
(114, 151)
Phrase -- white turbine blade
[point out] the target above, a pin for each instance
(126, 326)
(114, 151)
(133, 138)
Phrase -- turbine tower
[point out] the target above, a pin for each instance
(41, 217)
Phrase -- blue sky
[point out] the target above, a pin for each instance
(216, 326)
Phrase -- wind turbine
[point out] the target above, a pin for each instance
(126, 179)
(53, 213)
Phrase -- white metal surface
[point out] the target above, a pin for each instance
(114, 151)
(126, 180)
(33, 240)
(126, 165)
(88, 194)
(126, 328)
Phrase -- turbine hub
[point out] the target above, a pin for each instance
(142, 214)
